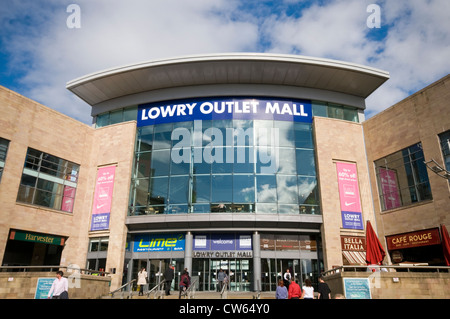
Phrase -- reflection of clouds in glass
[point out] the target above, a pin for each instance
(287, 189)
(305, 188)
(266, 193)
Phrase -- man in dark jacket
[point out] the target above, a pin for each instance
(168, 277)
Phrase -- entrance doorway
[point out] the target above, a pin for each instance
(155, 269)
(273, 270)
(238, 271)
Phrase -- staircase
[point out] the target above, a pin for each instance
(199, 295)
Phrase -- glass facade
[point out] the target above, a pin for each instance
(234, 166)
(48, 181)
(444, 140)
(403, 178)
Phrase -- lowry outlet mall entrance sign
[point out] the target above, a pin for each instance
(225, 109)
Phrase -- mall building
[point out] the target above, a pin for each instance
(250, 163)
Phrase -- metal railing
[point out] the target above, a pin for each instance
(190, 291)
(130, 292)
(70, 268)
(383, 268)
(224, 291)
(159, 294)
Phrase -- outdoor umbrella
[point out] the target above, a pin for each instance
(445, 244)
(374, 251)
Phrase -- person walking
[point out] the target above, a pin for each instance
(184, 283)
(295, 291)
(168, 277)
(142, 280)
(60, 287)
(220, 277)
(323, 290)
(308, 290)
(287, 278)
(281, 292)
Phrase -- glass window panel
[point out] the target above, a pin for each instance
(243, 188)
(307, 190)
(145, 136)
(50, 186)
(159, 187)
(221, 188)
(305, 162)
(263, 133)
(287, 161)
(267, 160)
(350, 114)
(303, 135)
(130, 113)
(266, 208)
(243, 160)
(162, 136)
(104, 242)
(182, 164)
(25, 194)
(178, 209)
(221, 159)
(160, 163)
(102, 120)
(266, 188)
(201, 208)
(4, 144)
(288, 209)
(335, 111)
(286, 135)
(287, 189)
(200, 166)
(179, 190)
(319, 109)
(141, 192)
(116, 117)
(143, 164)
(201, 191)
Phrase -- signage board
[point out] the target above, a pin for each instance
(349, 196)
(36, 237)
(414, 239)
(224, 108)
(159, 242)
(101, 209)
(357, 288)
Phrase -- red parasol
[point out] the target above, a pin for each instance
(374, 251)
(445, 244)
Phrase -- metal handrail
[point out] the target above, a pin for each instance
(157, 287)
(121, 289)
(190, 289)
(56, 267)
(370, 268)
(222, 292)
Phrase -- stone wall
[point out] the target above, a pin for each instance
(22, 285)
(397, 285)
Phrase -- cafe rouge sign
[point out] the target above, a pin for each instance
(414, 239)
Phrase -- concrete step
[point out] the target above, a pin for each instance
(203, 295)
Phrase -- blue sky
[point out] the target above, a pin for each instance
(39, 53)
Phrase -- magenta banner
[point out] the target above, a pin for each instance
(101, 209)
(349, 196)
(389, 188)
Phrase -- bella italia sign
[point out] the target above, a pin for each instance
(225, 109)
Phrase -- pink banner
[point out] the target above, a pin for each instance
(68, 198)
(348, 187)
(103, 198)
(389, 188)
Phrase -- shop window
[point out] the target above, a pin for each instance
(48, 181)
(403, 178)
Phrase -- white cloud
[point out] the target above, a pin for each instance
(414, 48)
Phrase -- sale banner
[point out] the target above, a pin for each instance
(101, 209)
(349, 196)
